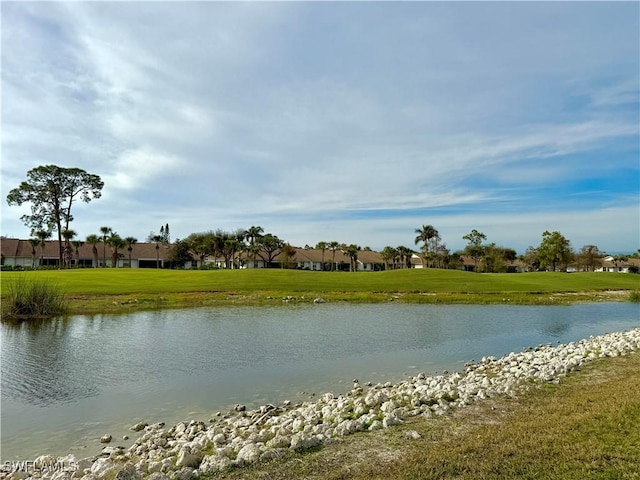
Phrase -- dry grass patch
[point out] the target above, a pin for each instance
(586, 427)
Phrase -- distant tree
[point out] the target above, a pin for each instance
(443, 255)
(429, 237)
(68, 235)
(43, 236)
(116, 242)
(34, 242)
(555, 250)
(202, 244)
(589, 258)
(130, 242)
(474, 248)
(404, 255)
(76, 248)
(94, 240)
(388, 256)
(270, 247)
(180, 254)
(252, 234)
(531, 259)
(322, 246)
(287, 254)
(333, 246)
(352, 252)
(105, 231)
(51, 191)
(455, 260)
(157, 239)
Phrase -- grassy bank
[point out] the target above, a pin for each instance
(116, 290)
(586, 427)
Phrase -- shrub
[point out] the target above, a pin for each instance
(634, 296)
(34, 298)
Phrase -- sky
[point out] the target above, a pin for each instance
(349, 121)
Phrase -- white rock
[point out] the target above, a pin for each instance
(250, 453)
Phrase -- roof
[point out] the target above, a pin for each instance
(13, 247)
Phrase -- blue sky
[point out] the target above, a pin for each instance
(357, 122)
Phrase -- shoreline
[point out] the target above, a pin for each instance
(129, 303)
(244, 437)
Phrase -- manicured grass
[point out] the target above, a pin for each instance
(123, 281)
(585, 428)
(126, 289)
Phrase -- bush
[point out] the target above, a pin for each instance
(34, 298)
(634, 296)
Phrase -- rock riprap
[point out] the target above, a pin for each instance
(243, 437)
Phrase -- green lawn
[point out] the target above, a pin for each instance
(127, 281)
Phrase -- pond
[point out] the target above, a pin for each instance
(68, 381)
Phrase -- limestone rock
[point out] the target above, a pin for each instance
(250, 453)
(138, 426)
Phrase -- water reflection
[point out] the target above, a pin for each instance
(77, 372)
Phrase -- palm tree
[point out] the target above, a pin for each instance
(68, 234)
(76, 246)
(252, 234)
(93, 240)
(105, 231)
(388, 254)
(352, 251)
(42, 235)
(333, 246)
(405, 254)
(322, 246)
(130, 241)
(157, 239)
(34, 243)
(116, 242)
(427, 234)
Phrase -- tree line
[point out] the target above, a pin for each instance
(52, 190)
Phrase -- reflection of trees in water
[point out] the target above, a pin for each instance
(40, 364)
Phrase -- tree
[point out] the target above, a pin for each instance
(270, 247)
(555, 250)
(68, 235)
(322, 246)
(589, 258)
(94, 240)
(116, 242)
(51, 191)
(157, 239)
(404, 254)
(252, 234)
(531, 260)
(429, 236)
(179, 254)
(333, 246)
(43, 235)
(105, 231)
(474, 248)
(287, 255)
(130, 242)
(76, 248)
(352, 252)
(34, 243)
(388, 255)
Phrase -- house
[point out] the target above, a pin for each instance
(20, 253)
(611, 264)
(313, 259)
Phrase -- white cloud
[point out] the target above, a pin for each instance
(221, 114)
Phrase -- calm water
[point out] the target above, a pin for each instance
(66, 382)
